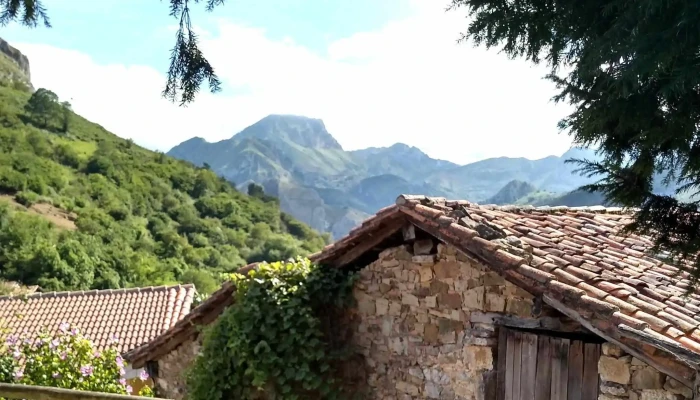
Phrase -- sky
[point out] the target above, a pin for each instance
(376, 72)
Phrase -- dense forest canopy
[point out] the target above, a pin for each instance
(631, 70)
(140, 217)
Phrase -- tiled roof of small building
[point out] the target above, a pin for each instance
(575, 258)
(135, 316)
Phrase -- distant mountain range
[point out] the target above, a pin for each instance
(295, 159)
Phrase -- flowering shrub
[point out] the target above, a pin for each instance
(67, 360)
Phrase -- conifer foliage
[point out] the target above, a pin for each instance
(631, 69)
(188, 66)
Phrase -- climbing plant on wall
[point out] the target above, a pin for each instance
(271, 343)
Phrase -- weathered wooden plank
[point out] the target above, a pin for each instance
(560, 368)
(510, 360)
(517, 364)
(502, 363)
(543, 379)
(528, 366)
(575, 370)
(591, 354)
(371, 241)
(14, 391)
(544, 323)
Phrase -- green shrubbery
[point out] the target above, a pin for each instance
(143, 218)
(272, 339)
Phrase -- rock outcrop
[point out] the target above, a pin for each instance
(22, 72)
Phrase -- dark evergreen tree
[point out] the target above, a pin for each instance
(65, 116)
(188, 66)
(631, 69)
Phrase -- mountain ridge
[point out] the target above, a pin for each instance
(296, 159)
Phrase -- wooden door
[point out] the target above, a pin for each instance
(539, 367)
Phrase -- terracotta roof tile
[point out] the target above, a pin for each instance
(99, 314)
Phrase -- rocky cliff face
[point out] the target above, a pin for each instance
(21, 62)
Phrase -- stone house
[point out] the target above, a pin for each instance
(461, 301)
(135, 316)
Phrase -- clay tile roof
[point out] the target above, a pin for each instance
(575, 258)
(142, 313)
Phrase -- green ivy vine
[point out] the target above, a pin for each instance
(272, 343)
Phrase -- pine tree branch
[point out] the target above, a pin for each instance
(188, 66)
(28, 12)
(188, 69)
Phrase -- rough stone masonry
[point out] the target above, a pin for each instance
(625, 377)
(421, 337)
(415, 330)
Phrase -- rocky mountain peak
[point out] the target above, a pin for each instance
(303, 131)
(21, 62)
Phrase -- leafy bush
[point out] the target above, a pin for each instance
(66, 360)
(272, 340)
(26, 198)
(66, 155)
(11, 180)
(219, 206)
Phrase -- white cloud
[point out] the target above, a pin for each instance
(406, 82)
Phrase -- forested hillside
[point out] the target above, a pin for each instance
(81, 208)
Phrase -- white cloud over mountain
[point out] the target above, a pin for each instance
(409, 81)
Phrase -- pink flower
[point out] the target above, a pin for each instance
(113, 339)
(122, 372)
(63, 356)
(96, 354)
(74, 331)
(56, 375)
(143, 375)
(122, 382)
(120, 362)
(86, 370)
(64, 327)
(54, 343)
(19, 374)
(16, 354)
(129, 389)
(12, 340)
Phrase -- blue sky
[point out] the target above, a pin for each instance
(137, 31)
(376, 71)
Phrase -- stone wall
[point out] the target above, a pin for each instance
(170, 380)
(625, 377)
(416, 332)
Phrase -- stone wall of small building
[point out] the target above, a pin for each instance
(625, 377)
(422, 331)
(170, 379)
(416, 331)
